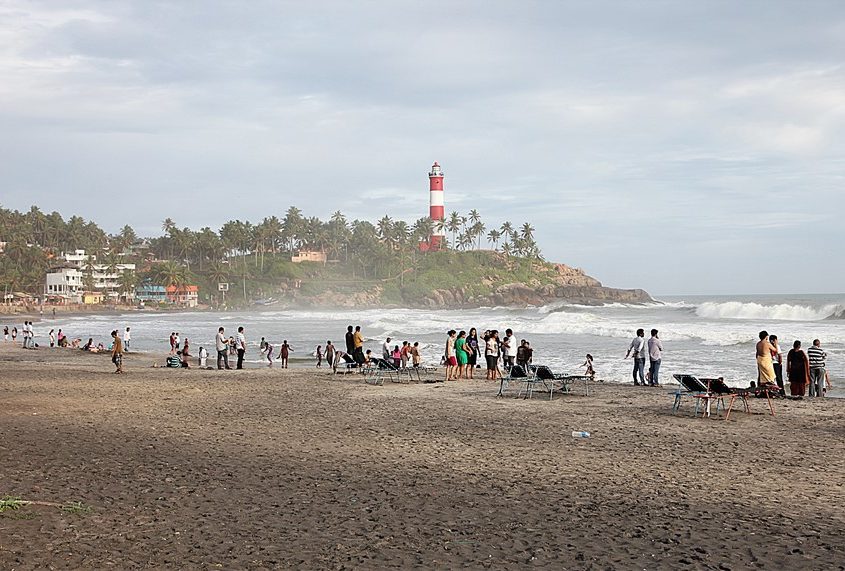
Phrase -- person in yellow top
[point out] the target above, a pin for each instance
(117, 352)
(358, 343)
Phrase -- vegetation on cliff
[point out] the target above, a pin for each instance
(256, 258)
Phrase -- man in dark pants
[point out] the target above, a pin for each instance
(222, 350)
(638, 351)
(350, 341)
(240, 344)
(777, 362)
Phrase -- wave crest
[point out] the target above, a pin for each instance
(780, 312)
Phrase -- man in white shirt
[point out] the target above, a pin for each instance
(385, 350)
(509, 349)
(127, 337)
(222, 349)
(637, 350)
(240, 344)
(655, 353)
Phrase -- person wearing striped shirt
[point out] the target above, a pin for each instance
(817, 368)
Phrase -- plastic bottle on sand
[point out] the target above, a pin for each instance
(580, 434)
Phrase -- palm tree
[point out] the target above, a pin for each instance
(454, 225)
(527, 232)
(126, 282)
(474, 216)
(171, 273)
(218, 272)
(507, 230)
(493, 237)
(385, 229)
(477, 230)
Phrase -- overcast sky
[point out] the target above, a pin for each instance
(682, 147)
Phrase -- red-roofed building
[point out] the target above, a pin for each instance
(186, 295)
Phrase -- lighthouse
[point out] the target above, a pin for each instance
(435, 211)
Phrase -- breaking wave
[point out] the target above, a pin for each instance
(757, 311)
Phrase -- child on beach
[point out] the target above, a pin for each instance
(14, 334)
(5, 334)
(396, 356)
(319, 354)
(52, 338)
(203, 357)
(588, 363)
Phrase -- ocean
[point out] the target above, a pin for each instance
(702, 335)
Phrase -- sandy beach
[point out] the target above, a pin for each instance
(265, 469)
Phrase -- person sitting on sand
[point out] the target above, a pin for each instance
(185, 347)
(75, 343)
(89, 346)
(184, 358)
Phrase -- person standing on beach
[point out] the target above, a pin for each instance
(491, 355)
(5, 334)
(358, 342)
(385, 349)
(817, 359)
(461, 354)
(655, 355)
(637, 350)
(330, 350)
(451, 360)
(222, 346)
(203, 357)
(350, 341)
(319, 355)
(284, 353)
(797, 370)
(415, 354)
(117, 352)
(765, 368)
(14, 334)
(172, 342)
(127, 337)
(777, 362)
(472, 355)
(176, 340)
(240, 344)
(52, 338)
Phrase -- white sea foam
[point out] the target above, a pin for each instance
(757, 311)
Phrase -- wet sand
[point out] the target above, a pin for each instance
(264, 469)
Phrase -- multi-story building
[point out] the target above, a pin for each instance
(69, 280)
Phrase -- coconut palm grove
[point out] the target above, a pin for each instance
(258, 260)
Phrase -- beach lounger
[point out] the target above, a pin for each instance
(516, 374)
(690, 386)
(722, 390)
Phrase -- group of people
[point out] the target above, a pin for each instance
(27, 335)
(400, 357)
(640, 350)
(463, 353)
(806, 371)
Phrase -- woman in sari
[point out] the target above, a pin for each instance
(797, 370)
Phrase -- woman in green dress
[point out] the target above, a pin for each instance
(461, 354)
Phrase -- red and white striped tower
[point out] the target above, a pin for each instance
(436, 211)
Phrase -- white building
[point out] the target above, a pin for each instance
(69, 281)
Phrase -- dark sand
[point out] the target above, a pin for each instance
(266, 469)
